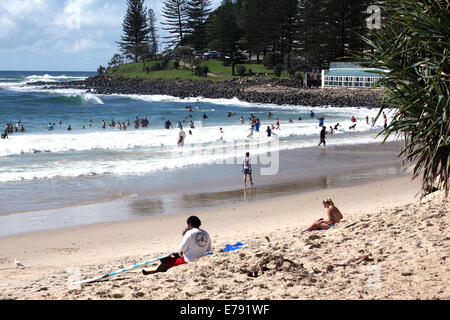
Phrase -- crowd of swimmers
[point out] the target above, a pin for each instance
(10, 129)
(254, 122)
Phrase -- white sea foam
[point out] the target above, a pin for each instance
(155, 138)
(146, 151)
(87, 97)
(356, 111)
(173, 159)
(49, 78)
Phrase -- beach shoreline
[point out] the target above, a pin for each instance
(98, 249)
(208, 188)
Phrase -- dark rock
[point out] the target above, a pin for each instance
(276, 91)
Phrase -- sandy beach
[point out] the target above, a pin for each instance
(390, 245)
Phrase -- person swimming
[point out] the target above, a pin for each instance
(168, 124)
(181, 137)
(257, 124)
(321, 121)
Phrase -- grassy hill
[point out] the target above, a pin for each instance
(218, 71)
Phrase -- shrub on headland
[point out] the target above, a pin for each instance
(278, 70)
(272, 59)
(241, 71)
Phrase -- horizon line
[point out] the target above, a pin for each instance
(1, 70)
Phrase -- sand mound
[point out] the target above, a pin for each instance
(400, 253)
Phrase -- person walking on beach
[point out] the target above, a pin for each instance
(334, 217)
(196, 243)
(323, 136)
(247, 170)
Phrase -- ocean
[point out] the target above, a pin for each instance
(42, 169)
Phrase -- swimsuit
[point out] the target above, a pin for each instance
(333, 216)
(247, 166)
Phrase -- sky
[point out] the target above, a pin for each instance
(64, 35)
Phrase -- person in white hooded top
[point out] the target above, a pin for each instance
(195, 244)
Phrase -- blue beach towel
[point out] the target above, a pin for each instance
(237, 246)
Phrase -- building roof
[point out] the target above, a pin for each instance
(352, 72)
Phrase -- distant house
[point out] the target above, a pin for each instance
(349, 75)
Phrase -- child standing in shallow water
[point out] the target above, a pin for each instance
(247, 170)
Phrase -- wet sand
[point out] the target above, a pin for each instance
(204, 187)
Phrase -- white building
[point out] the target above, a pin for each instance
(348, 75)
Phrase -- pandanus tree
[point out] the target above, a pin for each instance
(413, 46)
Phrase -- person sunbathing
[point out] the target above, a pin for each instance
(334, 217)
(195, 244)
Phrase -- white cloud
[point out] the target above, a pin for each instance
(54, 28)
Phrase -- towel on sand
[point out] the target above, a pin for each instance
(234, 247)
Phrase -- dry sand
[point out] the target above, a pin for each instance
(390, 245)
